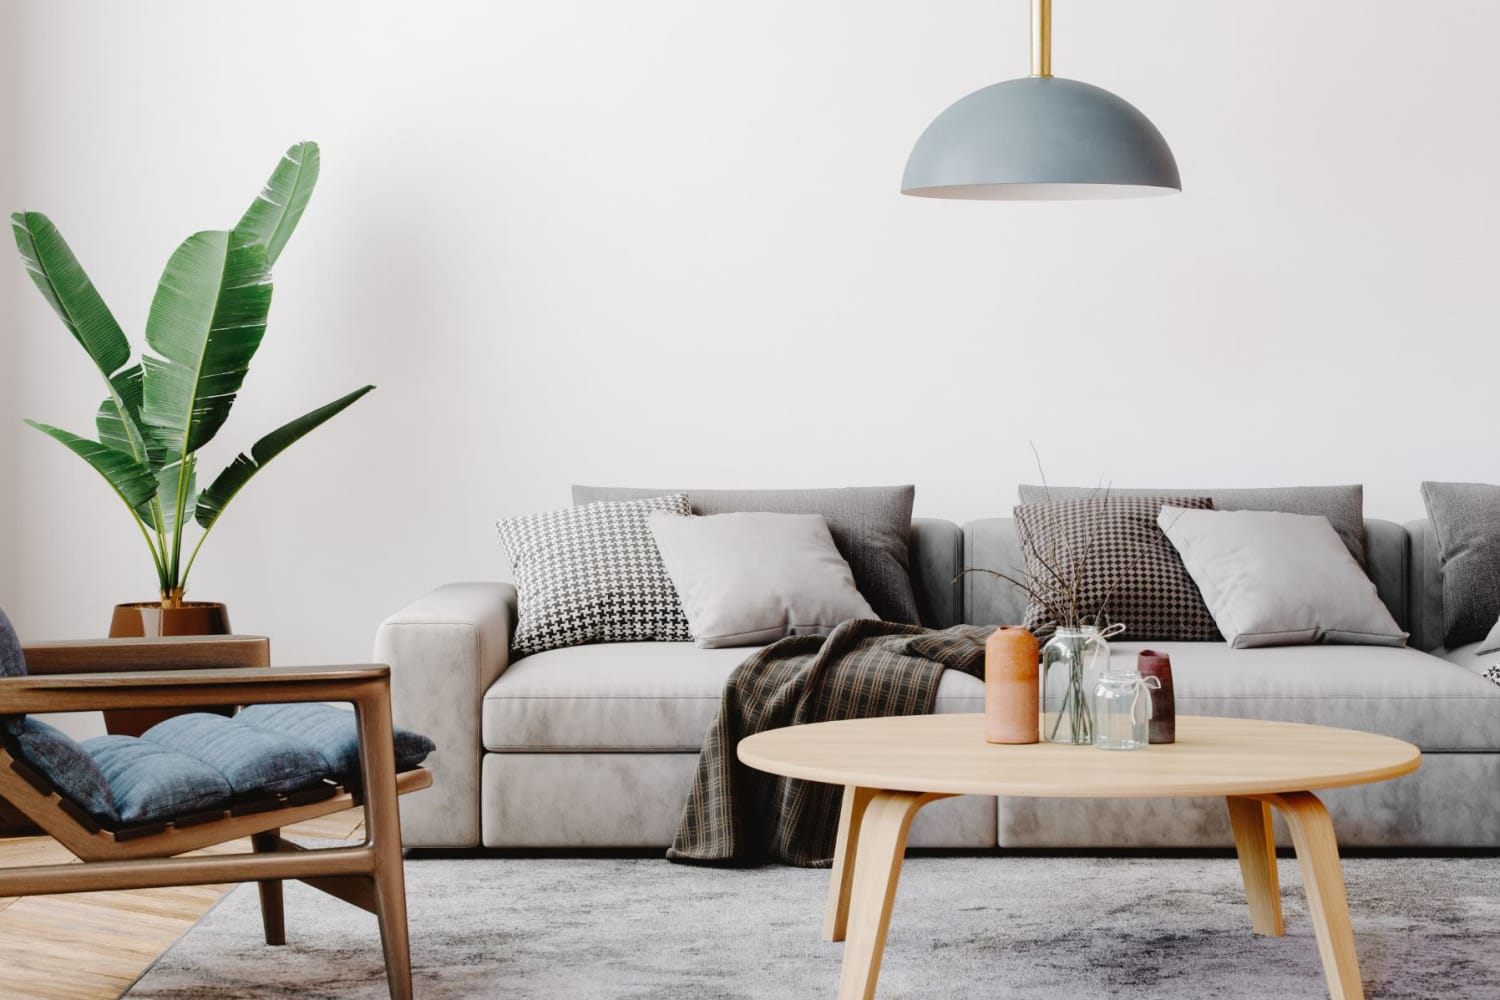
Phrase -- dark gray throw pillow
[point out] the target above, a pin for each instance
(870, 526)
(1131, 572)
(1466, 519)
(1344, 506)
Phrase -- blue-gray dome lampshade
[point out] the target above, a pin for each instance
(1040, 138)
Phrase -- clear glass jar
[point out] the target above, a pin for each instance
(1122, 710)
(1072, 662)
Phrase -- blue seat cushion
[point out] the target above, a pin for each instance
(334, 732)
(151, 783)
(252, 760)
(67, 766)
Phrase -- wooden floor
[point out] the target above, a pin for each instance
(92, 946)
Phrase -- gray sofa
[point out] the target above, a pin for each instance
(594, 746)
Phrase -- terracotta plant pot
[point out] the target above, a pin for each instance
(150, 620)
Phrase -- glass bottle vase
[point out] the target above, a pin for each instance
(1072, 662)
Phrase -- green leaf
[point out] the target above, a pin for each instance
(227, 485)
(206, 322)
(110, 420)
(131, 480)
(269, 221)
(169, 480)
(65, 286)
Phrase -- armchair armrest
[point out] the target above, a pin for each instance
(92, 656)
(184, 689)
(445, 650)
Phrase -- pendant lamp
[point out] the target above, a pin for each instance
(1040, 138)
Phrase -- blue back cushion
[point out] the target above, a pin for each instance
(12, 664)
(68, 766)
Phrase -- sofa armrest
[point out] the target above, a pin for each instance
(445, 649)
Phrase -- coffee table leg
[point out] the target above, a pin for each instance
(1323, 881)
(880, 848)
(851, 814)
(1255, 843)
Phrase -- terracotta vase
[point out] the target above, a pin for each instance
(152, 620)
(1012, 709)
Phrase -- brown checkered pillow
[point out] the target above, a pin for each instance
(1131, 572)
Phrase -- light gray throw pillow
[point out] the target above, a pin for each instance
(751, 578)
(1276, 579)
(1491, 642)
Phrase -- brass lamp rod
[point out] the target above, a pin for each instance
(1041, 37)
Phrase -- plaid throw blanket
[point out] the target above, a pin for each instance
(862, 669)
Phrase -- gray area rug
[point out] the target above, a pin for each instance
(1020, 927)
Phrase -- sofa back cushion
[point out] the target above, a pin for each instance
(1342, 505)
(870, 525)
(1465, 520)
(936, 554)
(1425, 586)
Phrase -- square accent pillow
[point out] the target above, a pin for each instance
(871, 525)
(1274, 579)
(1131, 573)
(1466, 520)
(592, 574)
(752, 578)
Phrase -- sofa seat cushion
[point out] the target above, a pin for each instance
(654, 696)
(1400, 692)
(632, 697)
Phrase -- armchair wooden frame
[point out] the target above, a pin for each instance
(106, 674)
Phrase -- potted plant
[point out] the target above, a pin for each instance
(205, 324)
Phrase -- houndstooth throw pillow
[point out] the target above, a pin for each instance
(1132, 575)
(592, 574)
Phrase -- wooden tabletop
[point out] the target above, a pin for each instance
(948, 754)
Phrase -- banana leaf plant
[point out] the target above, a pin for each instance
(204, 327)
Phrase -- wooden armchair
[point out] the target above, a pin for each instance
(110, 674)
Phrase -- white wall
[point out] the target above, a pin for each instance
(660, 243)
(10, 280)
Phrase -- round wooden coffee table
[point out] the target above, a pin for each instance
(890, 768)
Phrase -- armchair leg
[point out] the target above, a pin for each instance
(272, 910)
(383, 838)
(390, 910)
